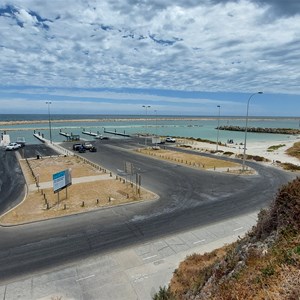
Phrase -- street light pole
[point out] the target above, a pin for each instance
(246, 128)
(155, 128)
(146, 107)
(217, 147)
(48, 103)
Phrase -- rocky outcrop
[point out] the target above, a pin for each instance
(291, 131)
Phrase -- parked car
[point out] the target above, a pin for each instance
(87, 145)
(170, 140)
(81, 149)
(93, 149)
(76, 147)
(12, 146)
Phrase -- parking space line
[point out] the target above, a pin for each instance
(149, 257)
(84, 278)
(237, 229)
(197, 242)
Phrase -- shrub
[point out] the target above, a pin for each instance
(163, 294)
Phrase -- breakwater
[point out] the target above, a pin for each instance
(291, 131)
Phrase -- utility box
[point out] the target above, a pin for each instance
(156, 140)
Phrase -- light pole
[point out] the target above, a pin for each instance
(246, 128)
(48, 103)
(217, 147)
(146, 107)
(156, 128)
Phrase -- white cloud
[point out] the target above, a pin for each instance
(183, 45)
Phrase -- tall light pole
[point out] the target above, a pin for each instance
(48, 103)
(156, 128)
(217, 147)
(246, 128)
(146, 107)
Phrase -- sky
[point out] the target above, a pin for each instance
(180, 57)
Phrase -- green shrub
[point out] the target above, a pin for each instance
(163, 294)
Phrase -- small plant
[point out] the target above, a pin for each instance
(275, 147)
(290, 167)
(163, 294)
(268, 271)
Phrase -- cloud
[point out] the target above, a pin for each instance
(182, 45)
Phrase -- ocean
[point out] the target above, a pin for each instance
(178, 126)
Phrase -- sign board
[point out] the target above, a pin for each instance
(61, 180)
(128, 168)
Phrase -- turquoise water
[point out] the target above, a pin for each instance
(204, 128)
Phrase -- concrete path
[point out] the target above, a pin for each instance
(133, 273)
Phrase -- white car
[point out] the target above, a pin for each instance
(170, 140)
(12, 146)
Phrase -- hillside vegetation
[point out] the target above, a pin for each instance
(265, 264)
(295, 150)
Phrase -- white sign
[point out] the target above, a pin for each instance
(61, 180)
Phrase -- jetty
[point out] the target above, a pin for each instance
(290, 131)
(40, 137)
(70, 137)
(116, 133)
(90, 133)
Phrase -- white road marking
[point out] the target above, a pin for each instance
(149, 257)
(84, 278)
(237, 229)
(197, 242)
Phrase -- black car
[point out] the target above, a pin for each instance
(93, 149)
(81, 149)
(76, 147)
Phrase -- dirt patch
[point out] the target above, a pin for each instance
(192, 160)
(44, 168)
(86, 196)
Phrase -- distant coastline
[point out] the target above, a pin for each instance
(56, 119)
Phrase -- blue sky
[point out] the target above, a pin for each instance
(181, 57)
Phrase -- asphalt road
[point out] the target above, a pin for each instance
(12, 183)
(188, 198)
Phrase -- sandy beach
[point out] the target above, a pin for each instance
(256, 148)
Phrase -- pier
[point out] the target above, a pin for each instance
(70, 137)
(116, 133)
(90, 133)
(40, 137)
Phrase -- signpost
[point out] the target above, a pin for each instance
(61, 180)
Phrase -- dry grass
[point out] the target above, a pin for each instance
(263, 265)
(45, 167)
(190, 159)
(294, 151)
(82, 197)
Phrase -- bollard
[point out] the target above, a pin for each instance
(116, 177)
(47, 205)
(82, 204)
(97, 201)
(65, 206)
(127, 196)
(123, 180)
(109, 199)
(110, 174)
